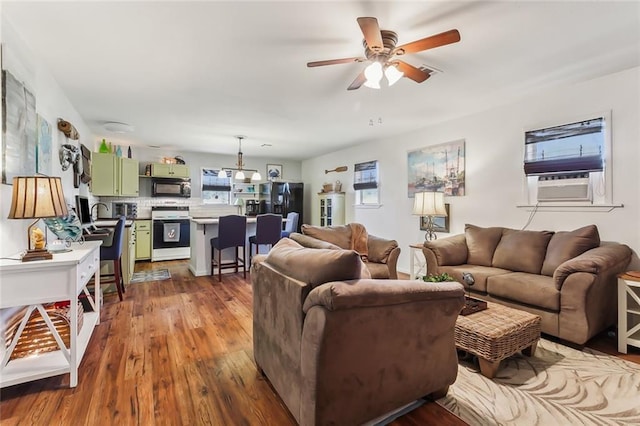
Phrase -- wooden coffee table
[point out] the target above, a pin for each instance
(497, 333)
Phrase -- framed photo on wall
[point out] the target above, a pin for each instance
(274, 171)
(440, 224)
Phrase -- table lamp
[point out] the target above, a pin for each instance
(36, 197)
(239, 202)
(429, 204)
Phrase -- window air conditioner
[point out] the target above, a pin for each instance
(568, 187)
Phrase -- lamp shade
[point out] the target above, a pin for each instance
(239, 175)
(429, 204)
(222, 174)
(256, 176)
(239, 202)
(37, 197)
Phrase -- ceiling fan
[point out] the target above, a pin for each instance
(381, 50)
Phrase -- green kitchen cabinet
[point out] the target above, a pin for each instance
(143, 239)
(112, 175)
(169, 170)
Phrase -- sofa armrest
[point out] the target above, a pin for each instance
(606, 259)
(445, 252)
(392, 263)
(380, 248)
(363, 293)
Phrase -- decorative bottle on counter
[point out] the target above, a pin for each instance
(103, 147)
(118, 151)
(129, 152)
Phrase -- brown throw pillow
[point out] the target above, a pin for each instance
(315, 266)
(521, 251)
(567, 245)
(481, 243)
(338, 235)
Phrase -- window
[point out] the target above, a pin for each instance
(365, 183)
(569, 162)
(215, 190)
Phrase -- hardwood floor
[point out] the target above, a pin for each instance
(177, 351)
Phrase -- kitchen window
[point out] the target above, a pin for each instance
(215, 190)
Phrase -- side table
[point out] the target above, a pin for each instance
(418, 262)
(628, 310)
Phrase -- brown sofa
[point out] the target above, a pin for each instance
(568, 278)
(380, 255)
(341, 348)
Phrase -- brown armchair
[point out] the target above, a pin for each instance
(380, 255)
(341, 348)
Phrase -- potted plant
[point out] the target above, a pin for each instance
(437, 278)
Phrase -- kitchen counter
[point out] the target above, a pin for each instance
(202, 230)
(107, 223)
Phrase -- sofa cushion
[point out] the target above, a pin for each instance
(521, 251)
(481, 243)
(380, 248)
(567, 245)
(530, 289)
(378, 270)
(480, 274)
(315, 266)
(307, 241)
(338, 235)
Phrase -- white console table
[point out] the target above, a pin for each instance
(628, 312)
(32, 284)
(418, 263)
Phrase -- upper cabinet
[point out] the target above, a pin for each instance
(114, 176)
(169, 170)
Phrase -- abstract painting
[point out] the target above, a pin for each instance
(43, 149)
(19, 129)
(437, 168)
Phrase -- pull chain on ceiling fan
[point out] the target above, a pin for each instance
(380, 49)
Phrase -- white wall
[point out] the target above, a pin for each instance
(51, 103)
(494, 166)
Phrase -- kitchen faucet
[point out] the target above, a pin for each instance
(105, 206)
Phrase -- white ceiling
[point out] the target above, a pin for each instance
(192, 75)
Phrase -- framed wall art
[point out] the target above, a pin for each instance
(274, 171)
(440, 224)
(437, 168)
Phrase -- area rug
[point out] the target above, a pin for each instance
(155, 275)
(557, 386)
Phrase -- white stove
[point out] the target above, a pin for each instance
(171, 228)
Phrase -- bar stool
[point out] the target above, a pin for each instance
(114, 253)
(291, 225)
(268, 232)
(232, 232)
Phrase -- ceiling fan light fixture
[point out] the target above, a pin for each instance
(393, 74)
(373, 74)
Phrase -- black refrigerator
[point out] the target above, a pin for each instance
(282, 198)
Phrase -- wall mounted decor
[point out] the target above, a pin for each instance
(438, 168)
(440, 224)
(44, 146)
(68, 129)
(19, 129)
(274, 171)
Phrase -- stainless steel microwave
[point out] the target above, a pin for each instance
(171, 187)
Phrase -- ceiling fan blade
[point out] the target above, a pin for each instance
(412, 72)
(371, 32)
(359, 81)
(447, 37)
(335, 61)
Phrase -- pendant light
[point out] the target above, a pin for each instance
(239, 174)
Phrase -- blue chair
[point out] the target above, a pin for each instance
(268, 232)
(291, 225)
(232, 232)
(114, 253)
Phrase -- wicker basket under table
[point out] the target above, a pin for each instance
(497, 333)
